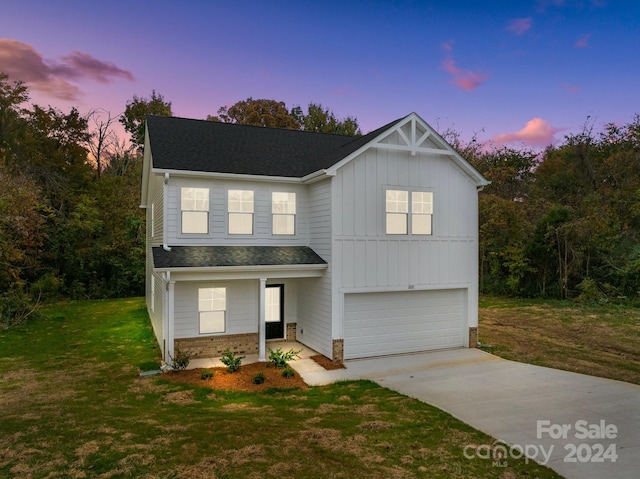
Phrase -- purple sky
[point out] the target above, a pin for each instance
(516, 72)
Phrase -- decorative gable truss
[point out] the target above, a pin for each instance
(415, 136)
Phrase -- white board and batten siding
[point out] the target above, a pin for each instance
(403, 293)
(368, 257)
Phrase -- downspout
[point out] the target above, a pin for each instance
(165, 189)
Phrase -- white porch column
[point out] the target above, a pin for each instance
(262, 334)
(170, 322)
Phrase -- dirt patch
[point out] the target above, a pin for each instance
(326, 363)
(241, 380)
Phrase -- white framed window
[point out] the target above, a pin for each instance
(421, 212)
(283, 211)
(194, 204)
(240, 209)
(212, 309)
(403, 215)
(397, 212)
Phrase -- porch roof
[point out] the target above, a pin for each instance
(234, 256)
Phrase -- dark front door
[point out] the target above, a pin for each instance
(274, 311)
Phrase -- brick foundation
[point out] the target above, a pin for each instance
(213, 346)
(338, 350)
(290, 334)
(473, 337)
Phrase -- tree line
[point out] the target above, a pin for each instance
(562, 223)
(70, 222)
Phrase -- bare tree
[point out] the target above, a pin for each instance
(121, 156)
(103, 138)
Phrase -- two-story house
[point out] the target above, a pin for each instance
(354, 246)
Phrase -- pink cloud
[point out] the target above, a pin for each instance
(572, 89)
(537, 132)
(465, 79)
(519, 25)
(23, 62)
(340, 91)
(583, 41)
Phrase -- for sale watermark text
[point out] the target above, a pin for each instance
(588, 442)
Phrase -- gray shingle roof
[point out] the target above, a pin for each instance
(212, 256)
(199, 145)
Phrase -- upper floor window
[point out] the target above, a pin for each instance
(421, 212)
(283, 210)
(194, 203)
(240, 212)
(400, 212)
(212, 308)
(397, 209)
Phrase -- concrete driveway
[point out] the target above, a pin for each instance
(568, 421)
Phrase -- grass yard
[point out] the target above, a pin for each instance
(597, 340)
(72, 405)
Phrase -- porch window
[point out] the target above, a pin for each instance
(194, 203)
(397, 212)
(212, 308)
(283, 210)
(421, 212)
(240, 212)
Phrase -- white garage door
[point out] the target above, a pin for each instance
(377, 324)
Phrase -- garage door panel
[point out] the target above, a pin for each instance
(400, 322)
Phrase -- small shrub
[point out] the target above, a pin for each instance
(231, 361)
(288, 372)
(181, 360)
(206, 374)
(16, 306)
(258, 378)
(280, 359)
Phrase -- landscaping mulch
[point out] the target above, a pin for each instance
(326, 363)
(241, 380)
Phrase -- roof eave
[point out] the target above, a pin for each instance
(226, 176)
(245, 272)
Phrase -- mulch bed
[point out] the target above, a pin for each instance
(241, 380)
(326, 363)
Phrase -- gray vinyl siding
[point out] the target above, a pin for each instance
(242, 307)
(154, 224)
(218, 213)
(314, 304)
(156, 308)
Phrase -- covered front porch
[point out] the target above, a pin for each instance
(235, 298)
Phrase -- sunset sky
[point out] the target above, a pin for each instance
(523, 73)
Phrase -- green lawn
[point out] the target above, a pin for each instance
(72, 405)
(598, 340)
